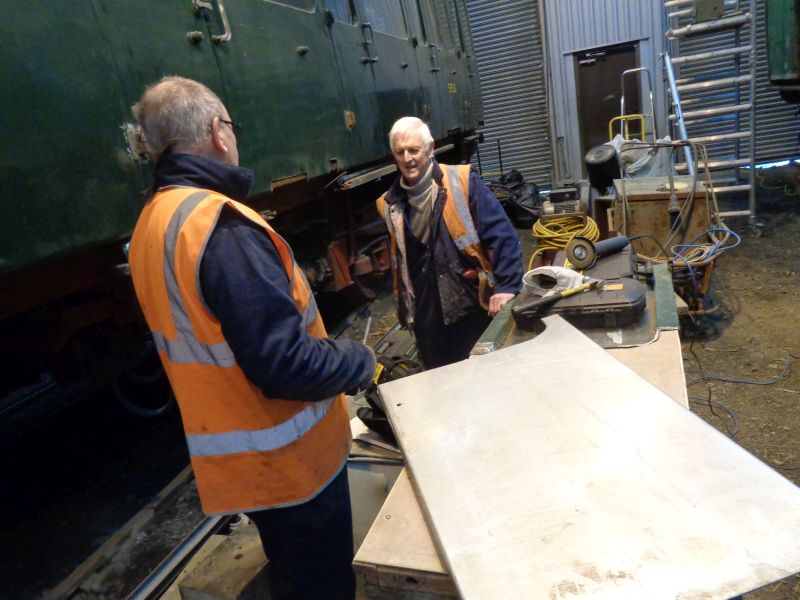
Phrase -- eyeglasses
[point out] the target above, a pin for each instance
(236, 127)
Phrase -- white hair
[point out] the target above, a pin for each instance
(409, 125)
(176, 114)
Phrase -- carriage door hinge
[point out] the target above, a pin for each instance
(203, 9)
(369, 41)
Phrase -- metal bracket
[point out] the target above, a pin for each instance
(225, 37)
(435, 68)
(135, 143)
(708, 10)
(195, 37)
(369, 58)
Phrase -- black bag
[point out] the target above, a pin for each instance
(519, 199)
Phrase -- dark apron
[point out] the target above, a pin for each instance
(438, 344)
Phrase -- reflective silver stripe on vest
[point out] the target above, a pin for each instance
(262, 440)
(185, 349)
(470, 237)
(181, 351)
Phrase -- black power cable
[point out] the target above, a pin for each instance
(731, 413)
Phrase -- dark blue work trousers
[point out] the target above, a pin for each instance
(310, 546)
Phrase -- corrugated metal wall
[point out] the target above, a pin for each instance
(508, 53)
(777, 122)
(575, 25)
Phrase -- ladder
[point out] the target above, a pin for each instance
(721, 95)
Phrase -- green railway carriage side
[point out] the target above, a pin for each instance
(316, 85)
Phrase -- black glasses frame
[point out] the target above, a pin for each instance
(236, 127)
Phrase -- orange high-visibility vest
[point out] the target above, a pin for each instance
(460, 225)
(248, 452)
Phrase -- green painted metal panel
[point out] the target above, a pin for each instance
(666, 309)
(65, 178)
(297, 80)
(783, 41)
(282, 84)
(71, 71)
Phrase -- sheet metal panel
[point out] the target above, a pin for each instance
(550, 470)
(509, 56)
(574, 25)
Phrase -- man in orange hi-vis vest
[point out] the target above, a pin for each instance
(455, 256)
(259, 384)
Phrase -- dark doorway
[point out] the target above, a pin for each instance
(599, 91)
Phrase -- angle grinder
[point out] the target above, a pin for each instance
(583, 253)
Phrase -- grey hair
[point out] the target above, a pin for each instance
(176, 114)
(409, 125)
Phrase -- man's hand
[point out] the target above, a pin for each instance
(497, 302)
(371, 376)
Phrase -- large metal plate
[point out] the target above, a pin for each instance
(549, 469)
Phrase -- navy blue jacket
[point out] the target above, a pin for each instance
(244, 283)
(457, 296)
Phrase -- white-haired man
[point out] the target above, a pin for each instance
(456, 258)
(258, 383)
